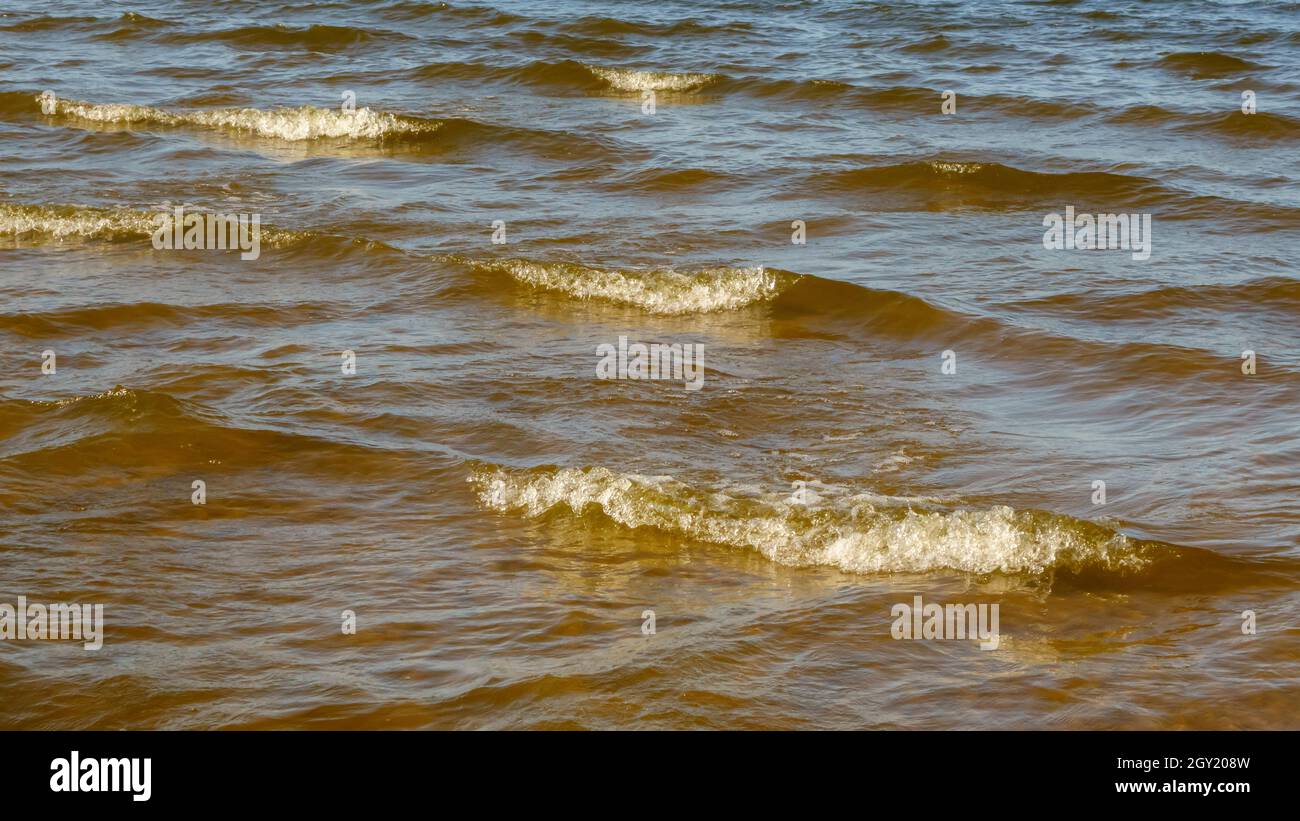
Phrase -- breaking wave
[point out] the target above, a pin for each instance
(942, 175)
(70, 221)
(657, 291)
(63, 222)
(620, 79)
(861, 533)
(291, 124)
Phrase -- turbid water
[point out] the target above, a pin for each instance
(904, 390)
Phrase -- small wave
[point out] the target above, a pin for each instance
(832, 305)
(570, 74)
(573, 74)
(937, 184)
(540, 41)
(1268, 293)
(68, 221)
(948, 183)
(661, 180)
(127, 25)
(311, 38)
(826, 305)
(291, 124)
(1265, 125)
(361, 129)
(47, 23)
(611, 26)
(834, 309)
(656, 291)
(121, 401)
(929, 45)
(138, 315)
(833, 91)
(1199, 64)
(1032, 108)
(1145, 114)
(55, 432)
(862, 533)
(158, 432)
(620, 79)
(131, 25)
(65, 222)
(485, 16)
(849, 311)
(900, 99)
(461, 70)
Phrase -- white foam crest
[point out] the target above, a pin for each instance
(60, 222)
(628, 80)
(69, 221)
(858, 534)
(660, 291)
(291, 124)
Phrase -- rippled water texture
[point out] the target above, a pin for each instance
(922, 399)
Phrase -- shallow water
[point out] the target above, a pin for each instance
(498, 518)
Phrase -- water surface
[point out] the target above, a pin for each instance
(497, 517)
